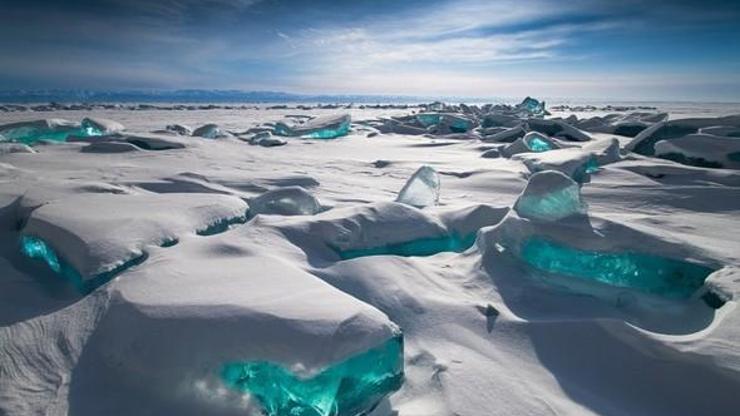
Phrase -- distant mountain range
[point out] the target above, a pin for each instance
(196, 96)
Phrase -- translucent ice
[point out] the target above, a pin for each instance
(209, 131)
(289, 200)
(456, 123)
(349, 388)
(533, 106)
(29, 132)
(536, 143)
(550, 196)
(328, 127)
(422, 189)
(37, 249)
(651, 274)
(423, 247)
(98, 126)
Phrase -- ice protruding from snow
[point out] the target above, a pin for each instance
(97, 233)
(30, 132)
(422, 189)
(266, 139)
(530, 142)
(93, 126)
(703, 150)
(290, 200)
(606, 151)
(538, 143)
(533, 107)
(550, 196)
(558, 129)
(210, 131)
(629, 125)
(180, 129)
(351, 387)
(646, 273)
(325, 127)
(644, 143)
(36, 248)
(574, 162)
(455, 123)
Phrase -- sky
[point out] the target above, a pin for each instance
(593, 49)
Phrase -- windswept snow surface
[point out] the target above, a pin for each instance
(153, 270)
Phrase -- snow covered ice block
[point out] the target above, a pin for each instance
(574, 162)
(326, 127)
(646, 273)
(703, 150)
(351, 387)
(210, 131)
(550, 196)
(456, 123)
(99, 126)
(98, 234)
(558, 129)
(30, 132)
(644, 143)
(422, 189)
(6, 148)
(290, 200)
(420, 247)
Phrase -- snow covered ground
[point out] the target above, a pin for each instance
(606, 285)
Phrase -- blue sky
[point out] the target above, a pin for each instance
(644, 50)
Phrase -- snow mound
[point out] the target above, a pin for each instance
(290, 200)
(180, 129)
(109, 147)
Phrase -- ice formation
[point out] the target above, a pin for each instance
(179, 129)
(6, 148)
(290, 200)
(550, 196)
(29, 132)
(558, 129)
(533, 107)
(210, 131)
(422, 188)
(531, 142)
(705, 150)
(351, 387)
(574, 162)
(266, 139)
(326, 127)
(92, 126)
(647, 273)
(644, 143)
(421, 247)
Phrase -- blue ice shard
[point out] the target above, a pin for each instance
(350, 388)
(538, 143)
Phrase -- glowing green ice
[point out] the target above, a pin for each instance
(429, 119)
(537, 144)
(349, 388)
(329, 133)
(420, 247)
(647, 273)
(37, 249)
(581, 174)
